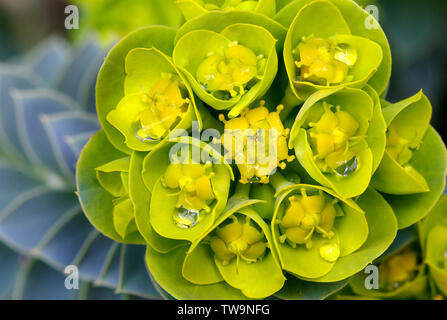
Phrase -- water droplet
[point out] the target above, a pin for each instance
(186, 218)
(345, 53)
(330, 252)
(255, 179)
(140, 133)
(347, 168)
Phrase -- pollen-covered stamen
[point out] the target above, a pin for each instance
(232, 71)
(257, 141)
(240, 238)
(193, 186)
(324, 61)
(306, 214)
(398, 269)
(397, 147)
(166, 103)
(332, 138)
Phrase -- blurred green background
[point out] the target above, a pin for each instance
(416, 31)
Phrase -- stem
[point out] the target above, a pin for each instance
(279, 182)
(242, 190)
(290, 102)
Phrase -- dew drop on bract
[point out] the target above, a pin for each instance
(185, 218)
(345, 53)
(140, 133)
(347, 168)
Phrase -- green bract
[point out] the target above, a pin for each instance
(324, 238)
(235, 252)
(339, 139)
(191, 194)
(103, 190)
(121, 102)
(194, 8)
(328, 45)
(412, 172)
(433, 230)
(401, 276)
(154, 102)
(232, 69)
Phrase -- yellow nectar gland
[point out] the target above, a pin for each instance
(230, 71)
(398, 269)
(257, 141)
(323, 61)
(238, 239)
(397, 147)
(332, 138)
(166, 104)
(194, 190)
(306, 214)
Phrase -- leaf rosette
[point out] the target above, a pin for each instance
(339, 138)
(234, 67)
(327, 45)
(322, 237)
(194, 8)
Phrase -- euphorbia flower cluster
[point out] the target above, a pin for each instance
(312, 171)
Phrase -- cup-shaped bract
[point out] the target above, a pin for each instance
(191, 188)
(194, 8)
(230, 69)
(328, 45)
(432, 231)
(227, 262)
(322, 237)
(437, 256)
(401, 275)
(103, 190)
(339, 139)
(412, 172)
(140, 96)
(156, 100)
